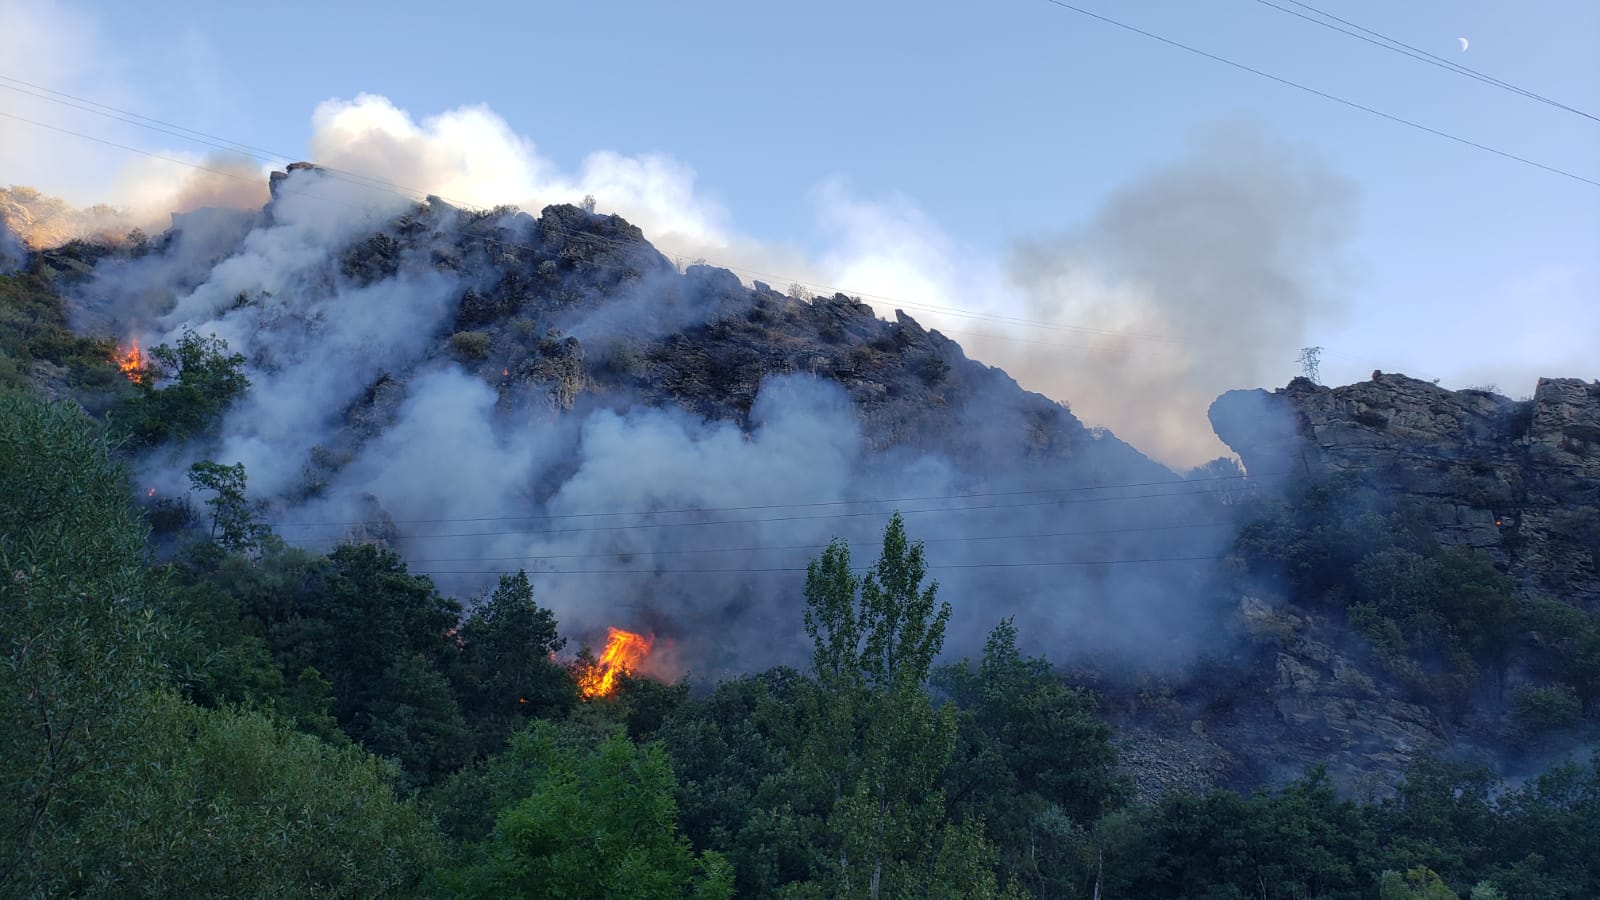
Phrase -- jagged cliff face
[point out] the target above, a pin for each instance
(1517, 479)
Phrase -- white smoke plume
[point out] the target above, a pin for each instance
(359, 421)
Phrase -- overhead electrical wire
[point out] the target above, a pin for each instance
(766, 548)
(637, 526)
(389, 187)
(413, 194)
(1175, 481)
(1380, 39)
(785, 569)
(1186, 484)
(1321, 93)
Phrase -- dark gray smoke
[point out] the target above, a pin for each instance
(365, 419)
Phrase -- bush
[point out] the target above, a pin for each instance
(201, 379)
(470, 344)
(1538, 710)
(929, 367)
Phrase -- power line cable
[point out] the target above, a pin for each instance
(1379, 39)
(815, 546)
(1321, 93)
(637, 526)
(783, 569)
(413, 194)
(1175, 481)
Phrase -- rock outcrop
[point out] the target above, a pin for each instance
(1517, 479)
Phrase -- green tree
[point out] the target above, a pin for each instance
(507, 672)
(734, 752)
(1033, 761)
(81, 641)
(876, 746)
(184, 391)
(1421, 883)
(598, 823)
(234, 526)
(231, 800)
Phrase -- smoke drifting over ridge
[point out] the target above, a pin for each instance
(361, 420)
(1213, 268)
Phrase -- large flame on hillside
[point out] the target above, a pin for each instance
(624, 652)
(131, 361)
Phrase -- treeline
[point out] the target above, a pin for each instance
(279, 722)
(249, 718)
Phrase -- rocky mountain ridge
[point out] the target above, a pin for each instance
(1518, 479)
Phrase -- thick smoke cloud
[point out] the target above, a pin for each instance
(472, 156)
(1213, 267)
(360, 422)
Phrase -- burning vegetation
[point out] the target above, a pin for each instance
(623, 653)
(131, 361)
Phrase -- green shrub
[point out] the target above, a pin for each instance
(1540, 709)
(470, 344)
(183, 390)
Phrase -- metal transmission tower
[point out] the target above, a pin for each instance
(1310, 361)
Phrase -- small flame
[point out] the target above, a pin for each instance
(624, 651)
(131, 362)
(505, 372)
(150, 493)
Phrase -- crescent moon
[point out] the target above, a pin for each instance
(1464, 44)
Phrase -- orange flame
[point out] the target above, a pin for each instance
(131, 362)
(150, 493)
(624, 651)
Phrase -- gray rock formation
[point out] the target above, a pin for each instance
(1518, 479)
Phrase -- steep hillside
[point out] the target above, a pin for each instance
(1373, 622)
(1517, 479)
(664, 450)
(485, 391)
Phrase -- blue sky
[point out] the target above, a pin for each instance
(986, 126)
